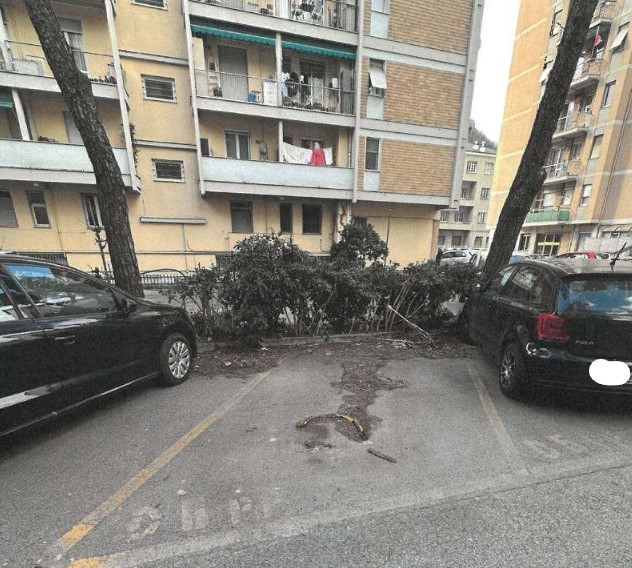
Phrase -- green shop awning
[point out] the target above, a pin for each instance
(318, 49)
(238, 34)
(599, 28)
(6, 99)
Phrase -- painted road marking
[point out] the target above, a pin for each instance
(505, 441)
(194, 515)
(144, 523)
(77, 533)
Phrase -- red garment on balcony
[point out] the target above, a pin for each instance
(318, 157)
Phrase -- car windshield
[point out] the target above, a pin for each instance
(597, 295)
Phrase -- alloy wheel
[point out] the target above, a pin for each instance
(179, 359)
(507, 369)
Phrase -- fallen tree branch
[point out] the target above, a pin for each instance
(381, 455)
(426, 336)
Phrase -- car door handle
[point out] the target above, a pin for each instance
(65, 339)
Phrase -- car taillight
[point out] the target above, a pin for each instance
(552, 328)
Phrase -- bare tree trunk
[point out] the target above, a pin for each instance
(530, 175)
(76, 90)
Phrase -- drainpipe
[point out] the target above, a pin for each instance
(358, 100)
(194, 109)
(118, 72)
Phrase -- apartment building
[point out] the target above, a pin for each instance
(584, 202)
(466, 226)
(235, 117)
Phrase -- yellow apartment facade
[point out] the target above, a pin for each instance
(236, 117)
(585, 203)
(466, 227)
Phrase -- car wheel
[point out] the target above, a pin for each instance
(174, 360)
(512, 372)
(463, 328)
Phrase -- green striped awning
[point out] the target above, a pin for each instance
(318, 48)
(231, 32)
(599, 28)
(6, 99)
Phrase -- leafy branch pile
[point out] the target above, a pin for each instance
(271, 288)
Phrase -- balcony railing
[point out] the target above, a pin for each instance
(563, 170)
(241, 88)
(29, 59)
(548, 216)
(606, 10)
(336, 14)
(587, 68)
(576, 121)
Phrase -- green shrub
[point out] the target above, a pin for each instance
(359, 244)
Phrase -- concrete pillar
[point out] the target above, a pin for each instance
(280, 140)
(358, 99)
(278, 49)
(19, 111)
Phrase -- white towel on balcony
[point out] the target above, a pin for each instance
(295, 154)
(329, 156)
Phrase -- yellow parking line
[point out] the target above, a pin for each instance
(78, 532)
(505, 441)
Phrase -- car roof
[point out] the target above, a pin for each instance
(7, 258)
(569, 267)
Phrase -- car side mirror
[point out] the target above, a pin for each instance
(127, 306)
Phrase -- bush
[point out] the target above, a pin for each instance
(358, 245)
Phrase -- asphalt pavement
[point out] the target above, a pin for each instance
(216, 473)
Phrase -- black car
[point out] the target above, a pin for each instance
(546, 322)
(67, 338)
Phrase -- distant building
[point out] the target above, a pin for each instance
(466, 227)
(586, 201)
(237, 117)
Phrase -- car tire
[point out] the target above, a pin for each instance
(174, 360)
(463, 328)
(512, 378)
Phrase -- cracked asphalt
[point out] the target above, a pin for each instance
(216, 473)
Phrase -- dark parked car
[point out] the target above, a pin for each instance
(67, 338)
(546, 322)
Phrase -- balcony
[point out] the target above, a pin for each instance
(225, 175)
(572, 126)
(27, 68)
(605, 12)
(339, 15)
(563, 172)
(586, 75)
(52, 162)
(548, 216)
(256, 96)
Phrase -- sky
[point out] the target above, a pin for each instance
(494, 60)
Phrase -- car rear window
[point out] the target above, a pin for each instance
(609, 295)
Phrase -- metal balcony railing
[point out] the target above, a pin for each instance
(587, 68)
(242, 88)
(337, 14)
(562, 170)
(606, 10)
(317, 97)
(29, 59)
(573, 121)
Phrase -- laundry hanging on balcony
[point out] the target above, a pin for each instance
(297, 155)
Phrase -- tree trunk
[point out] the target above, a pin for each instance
(76, 90)
(530, 176)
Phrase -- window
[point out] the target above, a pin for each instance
(91, 210)
(311, 143)
(576, 150)
(441, 240)
(287, 217)
(372, 159)
(586, 190)
(608, 94)
(62, 292)
(555, 23)
(7, 212)
(489, 168)
(595, 151)
(524, 243)
(361, 221)
(23, 306)
(71, 29)
(478, 242)
(380, 6)
(548, 244)
(619, 42)
(502, 277)
(582, 241)
(457, 240)
(466, 191)
(472, 167)
(37, 203)
(460, 216)
(377, 78)
(548, 202)
(485, 193)
(241, 216)
(168, 170)
(445, 216)
(152, 3)
(159, 88)
(205, 148)
(481, 217)
(567, 195)
(312, 219)
(587, 102)
(237, 145)
(522, 284)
